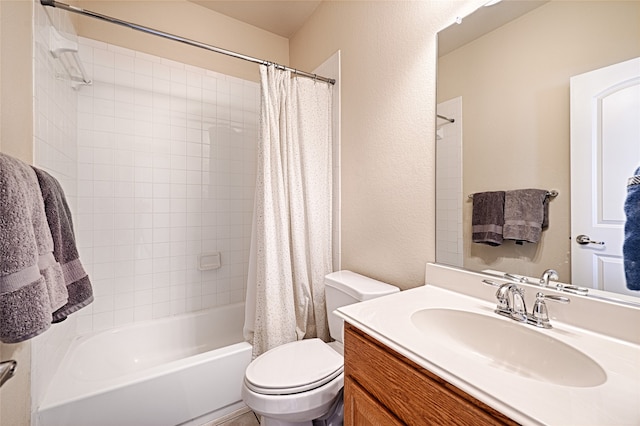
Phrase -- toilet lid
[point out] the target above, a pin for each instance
(294, 367)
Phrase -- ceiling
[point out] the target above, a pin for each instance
(482, 21)
(286, 17)
(282, 17)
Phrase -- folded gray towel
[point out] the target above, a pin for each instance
(65, 251)
(524, 213)
(487, 218)
(31, 282)
(54, 277)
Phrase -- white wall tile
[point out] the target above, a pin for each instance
(149, 203)
(123, 317)
(56, 124)
(449, 195)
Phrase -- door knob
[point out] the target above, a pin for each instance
(584, 239)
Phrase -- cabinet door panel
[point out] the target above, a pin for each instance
(361, 409)
(413, 394)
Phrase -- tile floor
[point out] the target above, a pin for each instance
(246, 419)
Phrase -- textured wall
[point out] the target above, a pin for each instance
(388, 52)
(16, 138)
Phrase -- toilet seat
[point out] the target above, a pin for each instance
(293, 368)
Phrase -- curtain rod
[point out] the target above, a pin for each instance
(450, 120)
(74, 9)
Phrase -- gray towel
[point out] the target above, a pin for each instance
(64, 246)
(545, 212)
(31, 282)
(487, 218)
(524, 214)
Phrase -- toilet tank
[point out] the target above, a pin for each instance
(344, 288)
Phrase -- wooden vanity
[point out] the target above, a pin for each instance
(382, 387)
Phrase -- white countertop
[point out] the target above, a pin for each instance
(525, 400)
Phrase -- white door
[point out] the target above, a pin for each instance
(605, 151)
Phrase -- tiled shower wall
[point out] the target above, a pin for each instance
(162, 171)
(166, 173)
(449, 197)
(55, 115)
(55, 150)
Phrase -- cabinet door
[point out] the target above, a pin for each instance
(412, 394)
(361, 409)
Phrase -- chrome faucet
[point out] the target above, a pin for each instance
(504, 303)
(539, 314)
(518, 308)
(511, 304)
(516, 278)
(549, 274)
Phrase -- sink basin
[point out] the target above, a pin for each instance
(510, 346)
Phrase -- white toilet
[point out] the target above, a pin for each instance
(301, 381)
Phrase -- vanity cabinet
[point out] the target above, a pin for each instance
(383, 387)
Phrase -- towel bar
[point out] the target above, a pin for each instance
(552, 193)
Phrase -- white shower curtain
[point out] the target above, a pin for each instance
(292, 227)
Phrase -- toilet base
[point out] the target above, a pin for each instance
(334, 417)
(267, 421)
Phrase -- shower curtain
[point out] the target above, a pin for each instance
(291, 247)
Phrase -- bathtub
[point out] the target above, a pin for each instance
(162, 372)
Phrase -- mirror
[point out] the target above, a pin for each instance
(503, 78)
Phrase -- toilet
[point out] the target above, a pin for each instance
(300, 383)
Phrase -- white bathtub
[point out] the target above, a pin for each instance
(161, 372)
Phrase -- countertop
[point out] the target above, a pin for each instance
(526, 400)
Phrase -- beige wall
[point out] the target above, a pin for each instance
(188, 20)
(388, 54)
(514, 84)
(16, 126)
(16, 138)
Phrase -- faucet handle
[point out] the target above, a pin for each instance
(492, 283)
(540, 313)
(517, 278)
(561, 299)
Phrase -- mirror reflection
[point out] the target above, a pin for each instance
(504, 92)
